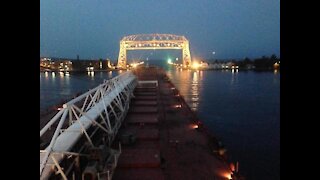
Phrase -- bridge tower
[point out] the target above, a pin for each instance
(122, 59)
(186, 57)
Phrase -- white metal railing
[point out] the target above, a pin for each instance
(83, 111)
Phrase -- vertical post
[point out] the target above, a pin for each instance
(70, 116)
(237, 167)
(108, 173)
(53, 140)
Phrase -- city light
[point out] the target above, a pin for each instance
(177, 106)
(234, 67)
(195, 65)
(194, 126)
(90, 68)
(169, 61)
(276, 65)
(228, 175)
(134, 65)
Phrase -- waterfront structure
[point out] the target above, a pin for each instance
(73, 65)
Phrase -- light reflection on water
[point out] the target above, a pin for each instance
(187, 89)
(55, 87)
(243, 109)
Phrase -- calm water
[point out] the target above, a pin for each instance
(55, 87)
(243, 109)
(240, 107)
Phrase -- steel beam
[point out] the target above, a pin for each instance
(93, 104)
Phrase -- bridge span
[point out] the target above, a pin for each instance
(134, 126)
(153, 42)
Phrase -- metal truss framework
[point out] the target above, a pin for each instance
(153, 41)
(95, 114)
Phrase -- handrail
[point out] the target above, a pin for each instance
(83, 111)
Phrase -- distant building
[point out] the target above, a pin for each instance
(89, 65)
(62, 65)
(223, 65)
(46, 63)
(250, 66)
(215, 66)
(74, 65)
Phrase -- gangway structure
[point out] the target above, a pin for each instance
(85, 127)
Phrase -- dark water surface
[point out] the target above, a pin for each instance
(55, 86)
(243, 109)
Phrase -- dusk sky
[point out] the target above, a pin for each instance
(93, 28)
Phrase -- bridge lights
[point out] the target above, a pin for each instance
(228, 175)
(194, 126)
(177, 106)
(195, 65)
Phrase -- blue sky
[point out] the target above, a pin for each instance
(93, 28)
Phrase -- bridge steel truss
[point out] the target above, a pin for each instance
(153, 41)
(84, 124)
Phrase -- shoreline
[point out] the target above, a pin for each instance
(204, 69)
(80, 70)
